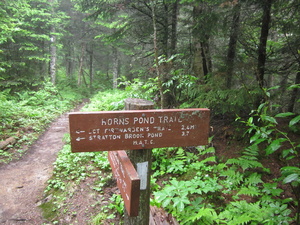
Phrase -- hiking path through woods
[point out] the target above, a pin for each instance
(22, 182)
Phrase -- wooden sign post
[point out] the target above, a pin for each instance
(142, 161)
(138, 128)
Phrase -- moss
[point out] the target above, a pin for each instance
(49, 211)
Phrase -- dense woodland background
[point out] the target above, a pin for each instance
(239, 58)
(219, 54)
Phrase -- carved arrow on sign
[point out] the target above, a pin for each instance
(79, 139)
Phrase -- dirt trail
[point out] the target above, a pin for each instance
(22, 182)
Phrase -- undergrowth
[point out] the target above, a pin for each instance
(193, 184)
(26, 114)
(211, 192)
(92, 168)
(203, 190)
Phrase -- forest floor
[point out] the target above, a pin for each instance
(23, 181)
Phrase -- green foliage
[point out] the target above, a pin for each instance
(117, 204)
(291, 175)
(107, 101)
(268, 134)
(24, 45)
(208, 192)
(269, 212)
(189, 93)
(69, 166)
(248, 160)
(28, 113)
(176, 162)
(73, 168)
(136, 88)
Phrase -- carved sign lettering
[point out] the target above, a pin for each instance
(128, 180)
(138, 129)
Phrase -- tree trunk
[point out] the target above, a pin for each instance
(262, 52)
(69, 61)
(294, 92)
(115, 68)
(158, 72)
(80, 71)
(201, 64)
(91, 53)
(165, 32)
(231, 52)
(52, 50)
(174, 27)
(53, 56)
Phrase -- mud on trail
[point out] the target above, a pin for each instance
(22, 182)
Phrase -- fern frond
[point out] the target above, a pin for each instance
(234, 177)
(240, 220)
(254, 179)
(250, 191)
(205, 216)
(245, 163)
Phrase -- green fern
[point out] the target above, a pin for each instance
(233, 177)
(248, 160)
(204, 216)
(254, 179)
(240, 220)
(242, 212)
(244, 163)
(250, 191)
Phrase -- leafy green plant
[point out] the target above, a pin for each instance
(291, 175)
(175, 162)
(117, 204)
(109, 100)
(211, 192)
(135, 88)
(267, 133)
(25, 114)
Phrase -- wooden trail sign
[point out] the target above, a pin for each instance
(138, 129)
(128, 180)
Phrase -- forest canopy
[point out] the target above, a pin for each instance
(229, 56)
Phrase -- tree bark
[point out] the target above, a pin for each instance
(53, 56)
(165, 31)
(201, 64)
(262, 48)
(80, 71)
(91, 53)
(294, 92)
(158, 72)
(115, 68)
(52, 50)
(174, 27)
(231, 52)
(69, 61)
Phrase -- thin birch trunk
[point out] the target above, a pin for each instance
(158, 73)
(80, 71)
(115, 68)
(52, 49)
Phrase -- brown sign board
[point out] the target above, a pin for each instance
(128, 180)
(138, 129)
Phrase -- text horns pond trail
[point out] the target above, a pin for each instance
(138, 129)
